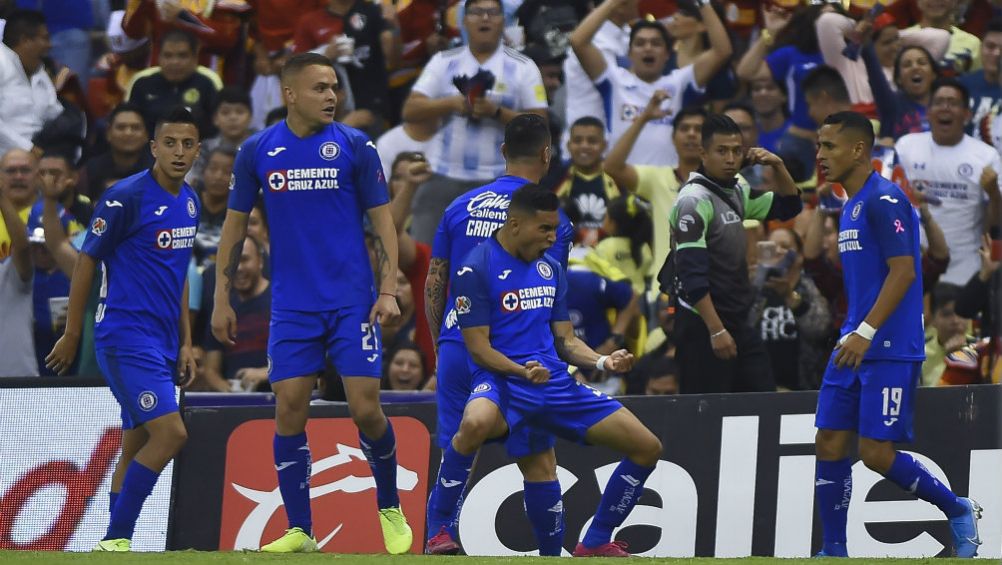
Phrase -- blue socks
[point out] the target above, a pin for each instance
(112, 498)
(545, 510)
(446, 497)
(913, 477)
(138, 484)
(833, 489)
(293, 462)
(619, 498)
(382, 456)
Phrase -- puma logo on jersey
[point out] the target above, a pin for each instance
(505, 274)
(112, 203)
(463, 271)
(275, 151)
(370, 144)
(889, 199)
(160, 211)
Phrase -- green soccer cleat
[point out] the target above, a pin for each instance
(397, 536)
(295, 540)
(120, 544)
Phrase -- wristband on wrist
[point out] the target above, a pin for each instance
(600, 364)
(766, 36)
(865, 331)
(387, 294)
(718, 334)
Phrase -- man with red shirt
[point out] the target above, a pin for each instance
(356, 35)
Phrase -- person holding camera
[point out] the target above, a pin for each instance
(718, 350)
(791, 315)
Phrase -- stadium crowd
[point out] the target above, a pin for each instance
(625, 85)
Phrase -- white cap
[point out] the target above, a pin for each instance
(117, 40)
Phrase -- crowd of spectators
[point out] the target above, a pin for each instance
(626, 86)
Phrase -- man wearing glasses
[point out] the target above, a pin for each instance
(473, 90)
(957, 170)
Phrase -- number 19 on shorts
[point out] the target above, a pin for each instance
(892, 401)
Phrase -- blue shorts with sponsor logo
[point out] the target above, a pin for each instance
(453, 388)
(562, 406)
(142, 380)
(877, 400)
(299, 342)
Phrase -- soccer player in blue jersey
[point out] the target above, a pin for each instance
(869, 386)
(470, 220)
(320, 178)
(142, 233)
(511, 300)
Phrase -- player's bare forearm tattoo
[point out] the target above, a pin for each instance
(435, 293)
(382, 260)
(230, 271)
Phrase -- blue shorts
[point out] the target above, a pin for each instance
(299, 341)
(877, 401)
(142, 380)
(562, 406)
(452, 392)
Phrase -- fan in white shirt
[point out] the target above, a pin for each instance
(958, 170)
(625, 93)
(27, 95)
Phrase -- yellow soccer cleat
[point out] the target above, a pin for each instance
(295, 540)
(120, 544)
(397, 536)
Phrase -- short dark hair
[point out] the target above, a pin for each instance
(644, 24)
(942, 294)
(300, 61)
(21, 25)
(828, 80)
(950, 82)
(122, 109)
(994, 26)
(56, 154)
(718, 124)
(179, 36)
(740, 106)
(176, 115)
(525, 136)
(588, 121)
(221, 150)
(853, 121)
(533, 198)
(466, 5)
(688, 112)
(232, 95)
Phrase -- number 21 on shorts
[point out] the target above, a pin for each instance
(369, 340)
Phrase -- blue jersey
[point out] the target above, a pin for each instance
(143, 236)
(879, 223)
(469, 221)
(316, 192)
(589, 298)
(516, 299)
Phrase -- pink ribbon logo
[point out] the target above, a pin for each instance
(898, 228)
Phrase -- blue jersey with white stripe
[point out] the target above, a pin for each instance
(877, 224)
(473, 218)
(518, 300)
(143, 236)
(317, 190)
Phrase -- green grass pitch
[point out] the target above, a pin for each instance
(238, 558)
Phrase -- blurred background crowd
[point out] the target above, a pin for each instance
(625, 86)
